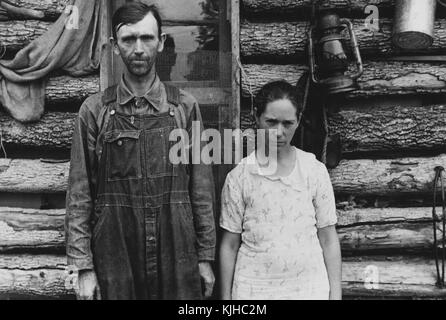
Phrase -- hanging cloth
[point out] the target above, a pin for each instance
(72, 44)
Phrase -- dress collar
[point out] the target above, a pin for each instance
(294, 179)
(153, 95)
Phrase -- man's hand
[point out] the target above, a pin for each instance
(207, 277)
(88, 286)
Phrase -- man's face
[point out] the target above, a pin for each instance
(138, 45)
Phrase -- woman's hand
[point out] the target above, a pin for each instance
(329, 241)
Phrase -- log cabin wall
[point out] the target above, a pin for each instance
(392, 133)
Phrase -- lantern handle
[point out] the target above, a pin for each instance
(355, 45)
(311, 56)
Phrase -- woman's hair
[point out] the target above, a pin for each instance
(278, 90)
(132, 13)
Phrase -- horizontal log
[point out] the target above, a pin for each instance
(352, 217)
(33, 176)
(386, 177)
(360, 230)
(390, 277)
(34, 277)
(289, 39)
(51, 8)
(46, 276)
(287, 6)
(14, 35)
(54, 130)
(362, 130)
(65, 89)
(380, 129)
(30, 229)
(62, 91)
(388, 238)
(379, 78)
(364, 177)
(390, 128)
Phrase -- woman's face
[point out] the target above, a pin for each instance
(279, 119)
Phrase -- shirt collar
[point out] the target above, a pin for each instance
(153, 95)
(291, 180)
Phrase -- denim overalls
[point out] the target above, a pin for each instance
(143, 238)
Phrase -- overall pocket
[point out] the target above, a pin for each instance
(123, 155)
(157, 150)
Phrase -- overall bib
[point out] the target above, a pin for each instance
(143, 238)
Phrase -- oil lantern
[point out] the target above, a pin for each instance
(328, 58)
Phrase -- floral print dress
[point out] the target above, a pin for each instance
(280, 256)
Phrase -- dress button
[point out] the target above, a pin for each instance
(172, 113)
(112, 112)
(119, 143)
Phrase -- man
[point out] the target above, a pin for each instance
(138, 226)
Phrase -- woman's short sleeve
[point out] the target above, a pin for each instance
(323, 199)
(232, 206)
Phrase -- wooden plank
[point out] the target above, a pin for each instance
(276, 40)
(380, 78)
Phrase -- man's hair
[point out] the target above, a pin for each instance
(133, 12)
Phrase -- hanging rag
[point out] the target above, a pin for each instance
(72, 44)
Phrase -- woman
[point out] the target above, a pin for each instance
(279, 239)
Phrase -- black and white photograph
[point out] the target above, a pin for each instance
(225, 153)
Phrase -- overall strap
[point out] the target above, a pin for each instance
(173, 97)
